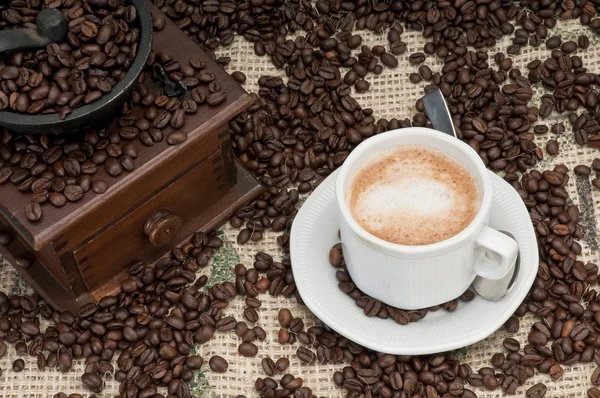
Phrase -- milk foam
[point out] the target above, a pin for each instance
(413, 195)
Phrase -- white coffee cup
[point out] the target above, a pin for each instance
(415, 277)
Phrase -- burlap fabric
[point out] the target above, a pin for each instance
(391, 95)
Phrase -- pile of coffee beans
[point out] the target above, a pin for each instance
(150, 327)
(296, 133)
(373, 307)
(288, 385)
(572, 86)
(61, 169)
(162, 311)
(267, 25)
(274, 210)
(301, 130)
(329, 26)
(489, 113)
(101, 44)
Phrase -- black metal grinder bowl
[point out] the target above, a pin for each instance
(51, 27)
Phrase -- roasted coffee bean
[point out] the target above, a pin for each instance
(248, 349)
(282, 364)
(216, 98)
(362, 86)
(189, 106)
(240, 77)
(268, 366)
(510, 385)
(251, 315)
(569, 47)
(204, 334)
(113, 167)
(414, 78)
(416, 58)
(218, 364)
(425, 72)
(244, 236)
(162, 119)
(30, 328)
(305, 355)
(99, 186)
(41, 361)
(354, 41)
(73, 193)
(389, 60)
(18, 365)
(398, 48)
(553, 42)
(177, 120)
(194, 362)
(296, 325)
(176, 137)
(33, 210)
(490, 382)
(92, 381)
(536, 391)
(583, 42)
(285, 317)
(512, 324)
(552, 147)
(582, 170)
(556, 372)
(456, 388)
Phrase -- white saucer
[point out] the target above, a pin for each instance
(315, 231)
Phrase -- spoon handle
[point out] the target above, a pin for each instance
(438, 112)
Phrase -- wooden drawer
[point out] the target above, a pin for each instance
(156, 226)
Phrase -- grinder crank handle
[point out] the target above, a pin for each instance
(438, 112)
(50, 27)
(169, 87)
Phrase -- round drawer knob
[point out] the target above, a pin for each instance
(161, 227)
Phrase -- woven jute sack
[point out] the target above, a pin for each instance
(391, 96)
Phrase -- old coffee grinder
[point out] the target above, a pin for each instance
(79, 252)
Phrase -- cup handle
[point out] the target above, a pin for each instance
(504, 247)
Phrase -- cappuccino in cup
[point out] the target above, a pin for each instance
(413, 195)
(415, 206)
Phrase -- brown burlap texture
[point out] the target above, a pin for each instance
(391, 95)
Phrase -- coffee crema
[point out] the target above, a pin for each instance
(413, 195)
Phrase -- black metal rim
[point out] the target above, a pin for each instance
(86, 112)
